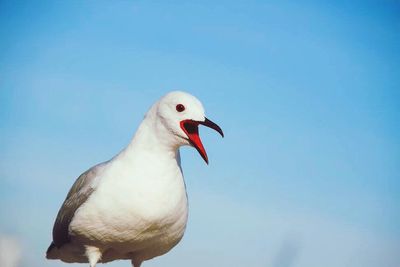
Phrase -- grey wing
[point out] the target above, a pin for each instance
(83, 187)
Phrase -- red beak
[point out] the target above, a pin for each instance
(191, 128)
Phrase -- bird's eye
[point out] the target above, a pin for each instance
(180, 107)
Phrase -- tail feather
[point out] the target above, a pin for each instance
(67, 253)
(52, 252)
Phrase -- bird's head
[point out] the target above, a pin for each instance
(181, 114)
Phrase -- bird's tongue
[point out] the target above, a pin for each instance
(192, 130)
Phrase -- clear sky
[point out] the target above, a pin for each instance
(307, 93)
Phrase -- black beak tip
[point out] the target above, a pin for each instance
(213, 125)
(205, 158)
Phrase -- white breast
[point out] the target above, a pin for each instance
(135, 209)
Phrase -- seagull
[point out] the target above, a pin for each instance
(134, 206)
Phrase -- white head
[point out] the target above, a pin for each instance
(177, 117)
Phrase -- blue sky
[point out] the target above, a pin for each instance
(306, 92)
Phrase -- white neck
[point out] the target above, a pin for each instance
(155, 139)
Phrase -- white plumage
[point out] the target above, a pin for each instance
(133, 206)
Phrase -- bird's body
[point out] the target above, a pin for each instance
(133, 206)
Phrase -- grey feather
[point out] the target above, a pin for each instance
(81, 190)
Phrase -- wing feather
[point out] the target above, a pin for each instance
(81, 190)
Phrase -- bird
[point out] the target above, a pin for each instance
(134, 206)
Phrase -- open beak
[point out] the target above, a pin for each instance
(191, 128)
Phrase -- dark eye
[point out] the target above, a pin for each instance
(180, 107)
